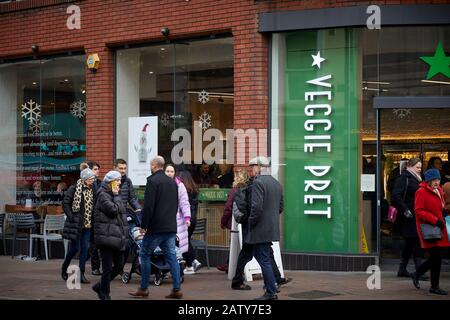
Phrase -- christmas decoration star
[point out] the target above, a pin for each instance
(439, 63)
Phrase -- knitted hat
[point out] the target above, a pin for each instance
(87, 174)
(111, 176)
(259, 161)
(432, 174)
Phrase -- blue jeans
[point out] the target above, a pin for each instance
(261, 251)
(166, 241)
(82, 245)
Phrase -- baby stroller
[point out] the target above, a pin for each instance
(158, 265)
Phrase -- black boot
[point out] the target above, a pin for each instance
(415, 280)
(102, 296)
(64, 274)
(417, 263)
(402, 271)
(83, 278)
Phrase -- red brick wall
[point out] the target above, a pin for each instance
(104, 23)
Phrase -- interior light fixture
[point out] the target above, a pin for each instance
(433, 81)
(376, 82)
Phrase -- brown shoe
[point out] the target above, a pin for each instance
(175, 295)
(140, 293)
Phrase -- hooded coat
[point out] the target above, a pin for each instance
(183, 215)
(428, 209)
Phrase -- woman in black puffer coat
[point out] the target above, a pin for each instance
(110, 231)
(403, 197)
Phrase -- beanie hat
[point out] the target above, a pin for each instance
(87, 174)
(111, 176)
(432, 174)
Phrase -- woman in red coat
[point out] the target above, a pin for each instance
(430, 209)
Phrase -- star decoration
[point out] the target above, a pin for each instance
(439, 63)
(317, 59)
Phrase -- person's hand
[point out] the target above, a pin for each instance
(115, 189)
(408, 214)
(188, 223)
(440, 224)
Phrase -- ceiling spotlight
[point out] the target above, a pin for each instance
(163, 49)
(34, 83)
(151, 72)
(66, 80)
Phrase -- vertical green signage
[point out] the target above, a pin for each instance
(321, 141)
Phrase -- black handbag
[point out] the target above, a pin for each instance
(430, 232)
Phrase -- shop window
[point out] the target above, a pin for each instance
(43, 129)
(188, 86)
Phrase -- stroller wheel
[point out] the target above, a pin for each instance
(126, 277)
(159, 276)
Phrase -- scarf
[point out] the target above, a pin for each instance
(88, 194)
(417, 176)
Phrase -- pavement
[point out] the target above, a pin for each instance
(41, 280)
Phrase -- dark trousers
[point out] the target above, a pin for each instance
(189, 256)
(411, 248)
(95, 257)
(112, 261)
(245, 256)
(81, 245)
(433, 263)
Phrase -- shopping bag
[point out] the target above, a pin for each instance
(447, 222)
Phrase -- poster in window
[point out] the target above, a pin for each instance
(142, 147)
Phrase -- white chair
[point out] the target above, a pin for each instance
(52, 223)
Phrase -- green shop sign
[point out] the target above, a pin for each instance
(213, 194)
(216, 195)
(321, 141)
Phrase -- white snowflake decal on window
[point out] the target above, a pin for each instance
(205, 121)
(78, 109)
(402, 113)
(203, 96)
(31, 111)
(165, 119)
(35, 127)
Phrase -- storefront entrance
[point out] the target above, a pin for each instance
(409, 127)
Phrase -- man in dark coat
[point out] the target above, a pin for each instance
(264, 221)
(160, 227)
(243, 199)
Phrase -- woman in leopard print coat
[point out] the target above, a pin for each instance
(78, 206)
